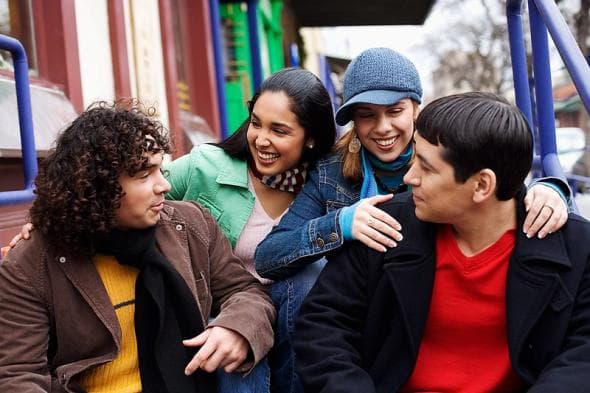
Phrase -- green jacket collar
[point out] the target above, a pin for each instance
(234, 173)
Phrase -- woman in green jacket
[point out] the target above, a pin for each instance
(249, 180)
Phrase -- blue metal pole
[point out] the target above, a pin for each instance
(219, 68)
(567, 47)
(294, 55)
(543, 87)
(25, 119)
(518, 57)
(544, 96)
(16, 197)
(327, 80)
(254, 43)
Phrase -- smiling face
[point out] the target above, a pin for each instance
(275, 137)
(385, 130)
(438, 196)
(143, 196)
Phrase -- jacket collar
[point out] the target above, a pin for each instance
(550, 249)
(410, 268)
(234, 173)
(170, 229)
(85, 278)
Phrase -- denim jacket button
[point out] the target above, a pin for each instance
(179, 227)
(333, 237)
(320, 242)
(62, 259)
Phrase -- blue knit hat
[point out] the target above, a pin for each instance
(378, 76)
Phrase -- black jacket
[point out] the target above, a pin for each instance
(361, 325)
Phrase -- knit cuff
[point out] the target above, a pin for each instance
(345, 220)
(558, 186)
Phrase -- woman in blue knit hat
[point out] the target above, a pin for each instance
(382, 92)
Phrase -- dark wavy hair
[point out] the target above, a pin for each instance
(311, 104)
(77, 187)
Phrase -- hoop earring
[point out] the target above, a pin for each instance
(354, 146)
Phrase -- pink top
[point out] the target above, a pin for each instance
(257, 227)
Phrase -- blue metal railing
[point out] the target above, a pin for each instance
(294, 55)
(216, 36)
(25, 120)
(544, 16)
(254, 43)
(327, 80)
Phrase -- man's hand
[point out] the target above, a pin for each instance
(220, 348)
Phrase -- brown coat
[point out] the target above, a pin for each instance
(56, 319)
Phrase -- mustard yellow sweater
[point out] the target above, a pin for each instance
(122, 374)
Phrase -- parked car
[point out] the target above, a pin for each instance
(571, 144)
(571, 148)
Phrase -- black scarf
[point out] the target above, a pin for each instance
(166, 312)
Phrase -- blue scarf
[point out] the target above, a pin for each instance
(371, 186)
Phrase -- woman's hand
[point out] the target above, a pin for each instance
(25, 234)
(546, 211)
(373, 227)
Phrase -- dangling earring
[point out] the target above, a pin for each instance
(310, 145)
(354, 146)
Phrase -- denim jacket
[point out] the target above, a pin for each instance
(311, 228)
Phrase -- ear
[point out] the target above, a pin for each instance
(484, 185)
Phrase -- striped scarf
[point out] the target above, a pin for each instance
(292, 180)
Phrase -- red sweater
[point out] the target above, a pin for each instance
(465, 348)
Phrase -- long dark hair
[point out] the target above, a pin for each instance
(311, 104)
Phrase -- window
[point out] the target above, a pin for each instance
(16, 20)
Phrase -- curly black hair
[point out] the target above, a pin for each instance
(77, 187)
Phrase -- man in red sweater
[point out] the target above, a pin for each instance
(466, 303)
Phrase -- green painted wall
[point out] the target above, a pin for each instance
(239, 86)
(238, 64)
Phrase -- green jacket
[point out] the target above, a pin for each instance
(218, 182)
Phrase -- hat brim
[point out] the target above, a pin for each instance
(377, 97)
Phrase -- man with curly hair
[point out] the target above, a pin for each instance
(116, 286)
